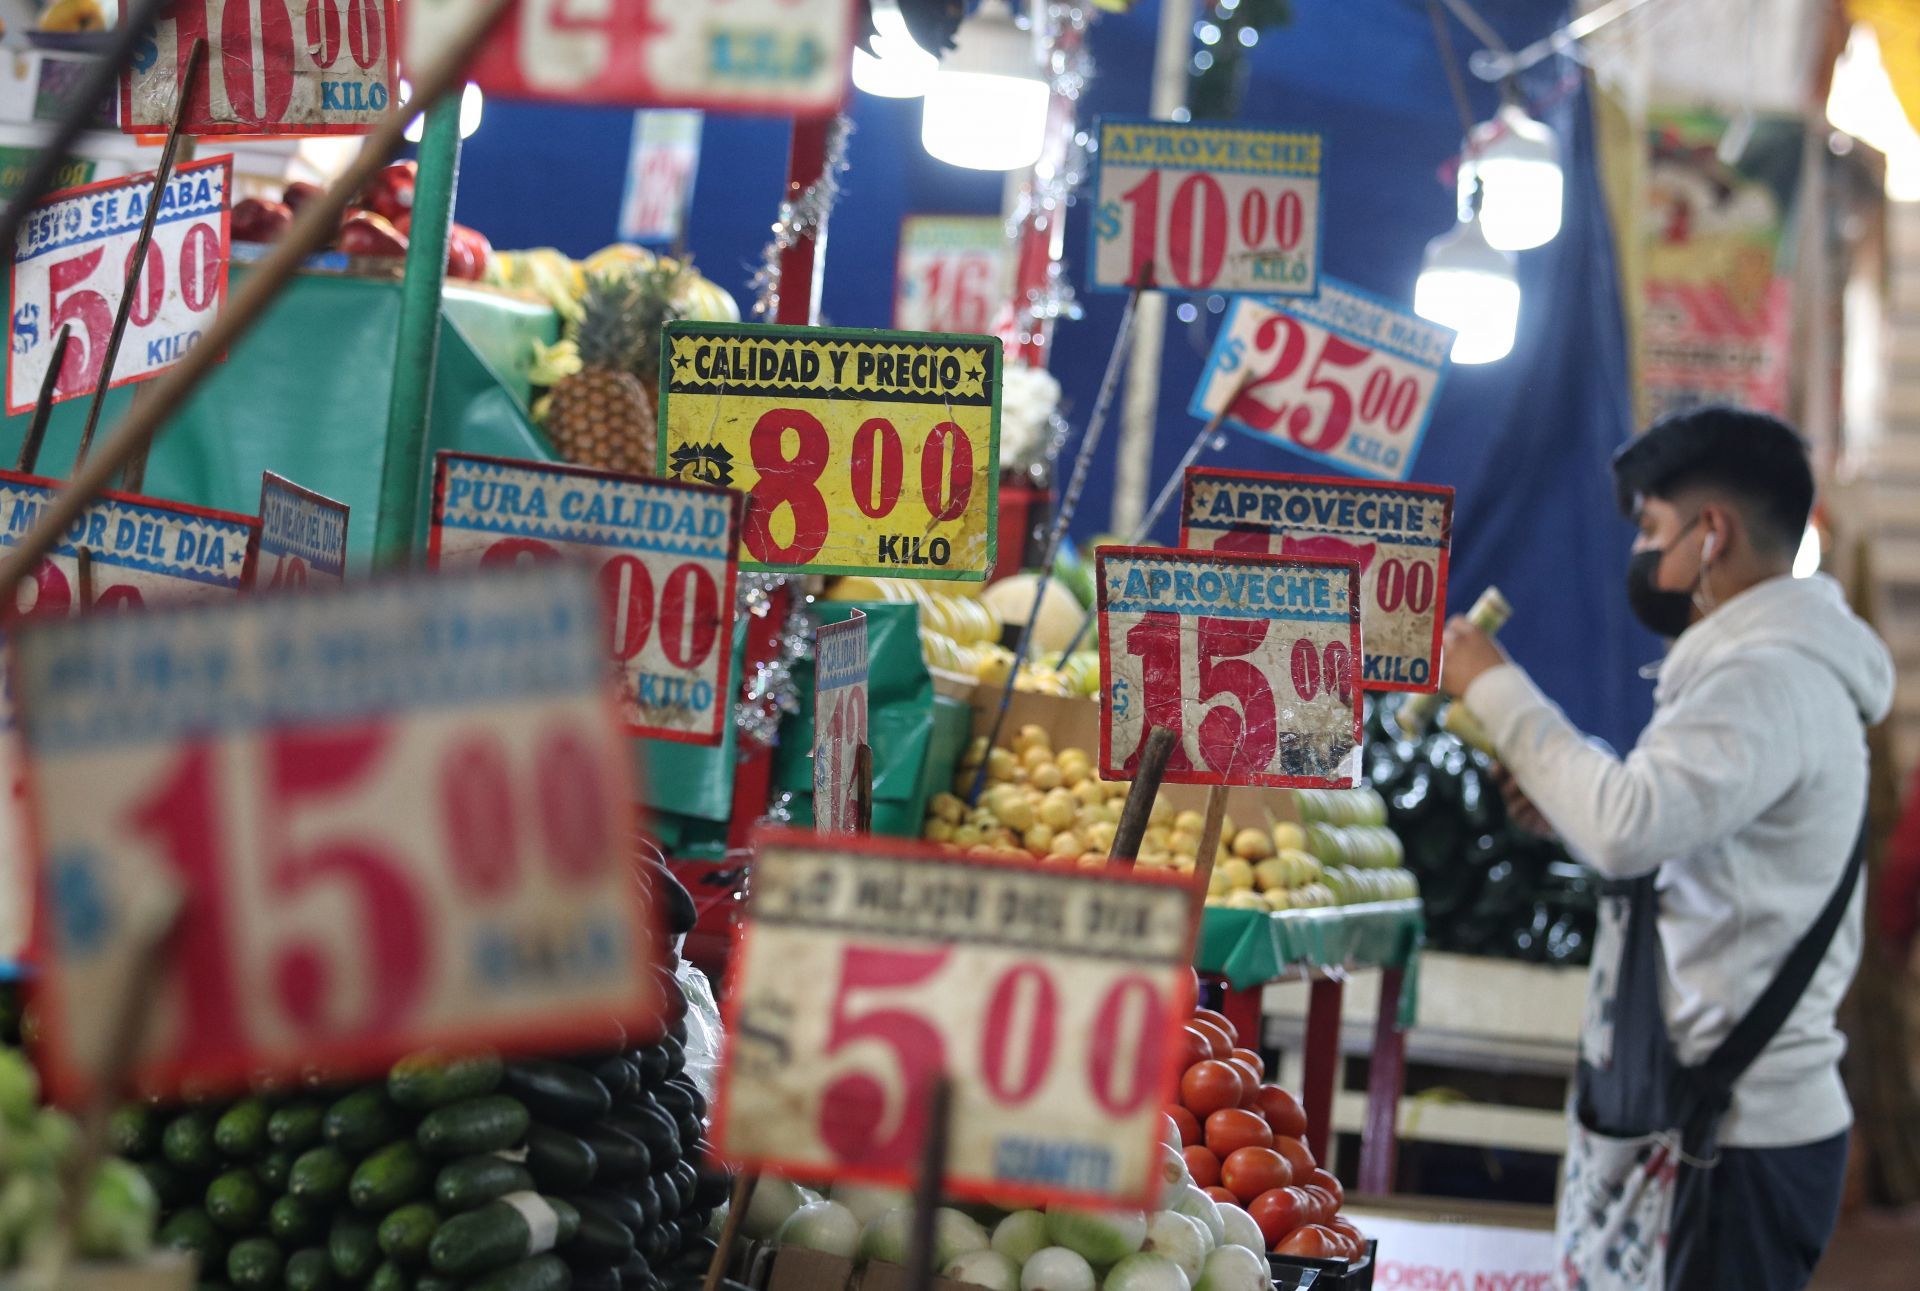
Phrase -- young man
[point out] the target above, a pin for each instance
(1725, 837)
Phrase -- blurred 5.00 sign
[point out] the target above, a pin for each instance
(860, 452)
(1252, 661)
(1207, 209)
(1051, 999)
(395, 815)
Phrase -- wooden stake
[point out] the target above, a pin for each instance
(1203, 863)
(743, 1186)
(933, 1176)
(1134, 816)
(84, 558)
(312, 229)
(863, 789)
(43, 406)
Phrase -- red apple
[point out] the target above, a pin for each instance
(260, 220)
(367, 234)
(390, 193)
(467, 253)
(299, 193)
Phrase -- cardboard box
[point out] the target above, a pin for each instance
(792, 1268)
(1441, 1243)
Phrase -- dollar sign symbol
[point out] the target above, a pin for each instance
(1106, 222)
(1121, 700)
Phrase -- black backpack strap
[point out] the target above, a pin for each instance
(1754, 1032)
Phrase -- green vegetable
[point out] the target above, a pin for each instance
(394, 1175)
(542, 1273)
(19, 1088)
(171, 1186)
(474, 1181)
(603, 1237)
(295, 1127)
(485, 1124)
(309, 1270)
(362, 1121)
(319, 1174)
(295, 1219)
(557, 1092)
(274, 1169)
(235, 1201)
(192, 1230)
(558, 1161)
(242, 1132)
(497, 1234)
(353, 1246)
(255, 1263)
(433, 1079)
(434, 1282)
(187, 1141)
(134, 1130)
(406, 1233)
(389, 1277)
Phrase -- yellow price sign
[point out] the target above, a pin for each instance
(860, 452)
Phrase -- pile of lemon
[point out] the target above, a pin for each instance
(1037, 802)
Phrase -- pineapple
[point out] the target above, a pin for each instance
(604, 415)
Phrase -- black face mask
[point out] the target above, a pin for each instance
(1665, 613)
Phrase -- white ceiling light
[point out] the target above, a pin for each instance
(1516, 159)
(897, 68)
(988, 105)
(473, 105)
(1862, 102)
(1467, 284)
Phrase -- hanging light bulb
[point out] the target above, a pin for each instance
(1467, 284)
(897, 68)
(473, 105)
(1516, 159)
(988, 105)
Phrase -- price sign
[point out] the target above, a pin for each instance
(274, 67)
(1347, 379)
(1399, 535)
(660, 170)
(955, 273)
(839, 722)
(303, 535)
(1250, 660)
(1051, 998)
(1207, 209)
(70, 268)
(662, 554)
(395, 815)
(860, 452)
(776, 56)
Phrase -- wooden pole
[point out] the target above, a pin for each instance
(863, 789)
(312, 229)
(1203, 863)
(43, 406)
(743, 1186)
(926, 1193)
(1147, 774)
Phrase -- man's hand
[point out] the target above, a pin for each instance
(1469, 652)
(1520, 808)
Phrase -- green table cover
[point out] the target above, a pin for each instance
(1250, 949)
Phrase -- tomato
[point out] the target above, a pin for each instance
(1219, 1039)
(1253, 1060)
(1198, 1047)
(1323, 1206)
(1221, 1195)
(1298, 1155)
(1250, 1082)
(1211, 1085)
(1282, 1110)
(1251, 1171)
(1277, 1213)
(1233, 1128)
(1203, 1165)
(1188, 1124)
(1323, 1179)
(1220, 1020)
(1356, 1240)
(1314, 1243)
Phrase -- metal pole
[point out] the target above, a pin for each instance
(409, 410)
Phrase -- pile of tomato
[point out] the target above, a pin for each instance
(1244, 1143)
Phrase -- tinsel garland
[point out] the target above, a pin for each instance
(1051, 190)
(770, 691)
(801, 217)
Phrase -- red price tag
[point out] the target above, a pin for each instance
(839, 722)
(1051, 998)
(1399, 535)
(662, 553)
(1252, 662)
(776, 56)
(396, 815)
(274, 67)
(954, 274)
(70, 269)
(1347, 379)
(1207, 209)
(303, 535)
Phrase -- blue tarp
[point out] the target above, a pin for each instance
(1525, 440)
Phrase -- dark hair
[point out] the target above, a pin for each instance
(1759, 459)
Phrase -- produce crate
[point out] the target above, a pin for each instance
(1329, 1275)
(164, 1272)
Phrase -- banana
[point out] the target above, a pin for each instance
(74, 15)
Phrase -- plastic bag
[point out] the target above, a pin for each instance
(703, 1029)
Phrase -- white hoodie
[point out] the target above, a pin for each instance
(1748, 787)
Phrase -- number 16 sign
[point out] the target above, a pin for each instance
(1252, 661)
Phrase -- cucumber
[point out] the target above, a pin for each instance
(635, 1271)
(653, 1063)
(620, 1075)
(242, 1131)
(433, 1079)
(476, 1180)
(171, 1186)
(393, 1176)
(541, 1273)
(353, 1246)
(295, 1127)
(362, 1121)
(255, 1264)
(193, 1230)
(681, 1098)
(558, 1161)
(687, 1181)
(134, 1130)
(618, 1156)
(498, 1234)
(596, 1279)
(434, 1282)
(405, 1234)
(235, 1201)
(274, 1169)
(653, 1125)
(557, 1092)
(319, 1174)
(604, 1237)
(485, 1124)
(187, 1142)
(309, 1270)
(389, 1277)
(294, 1220)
